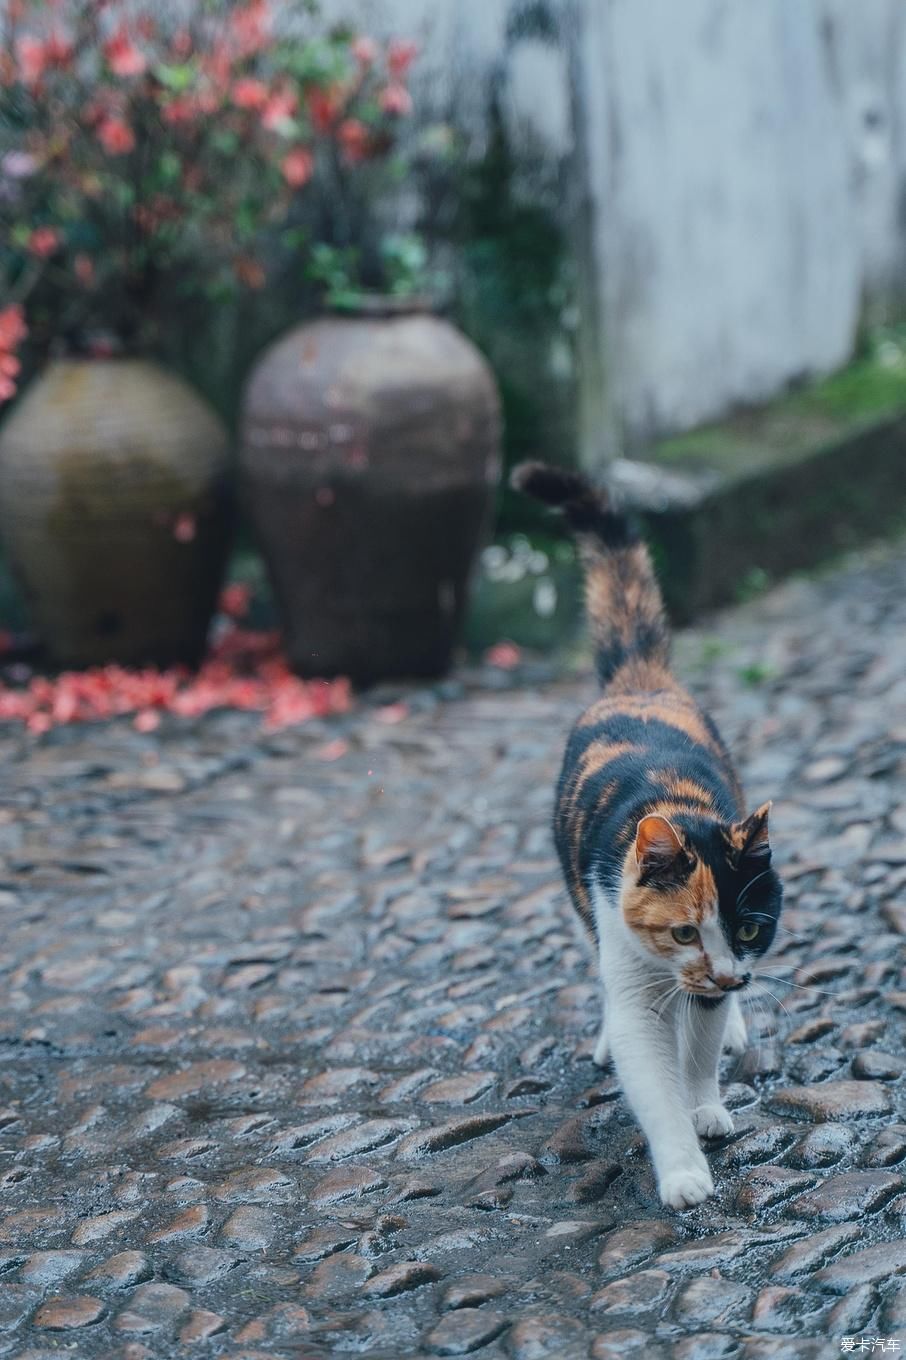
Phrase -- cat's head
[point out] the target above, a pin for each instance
(702, 897)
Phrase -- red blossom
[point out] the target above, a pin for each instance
(250, 94)
(395, 99)
(365, 50)
(217, 66)
(324, 107)
(32, 58)
(279, 110)
(35, 56)
(13, 329)
(44, 242)
(298, 166)
(354, 138)
(59, 50)
(123, 57)
(116, 136)
(10, 368)
(400, 55)
(185, 527)
(250, 27)
(183, 109)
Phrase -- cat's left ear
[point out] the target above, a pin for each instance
(750, 838)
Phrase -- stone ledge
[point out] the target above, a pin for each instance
(768, 492)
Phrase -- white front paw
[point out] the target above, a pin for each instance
(602, 1049)
(712, 1121)
(686, 1186)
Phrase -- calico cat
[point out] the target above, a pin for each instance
(672, 881)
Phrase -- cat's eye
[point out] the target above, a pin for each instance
(685, 934)
(747, 933)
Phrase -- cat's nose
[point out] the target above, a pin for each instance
(732, 984)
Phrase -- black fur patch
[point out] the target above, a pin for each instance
(637, 781)
(748, 890)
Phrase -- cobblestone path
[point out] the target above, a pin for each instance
(296, 1051)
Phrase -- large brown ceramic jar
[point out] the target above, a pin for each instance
(369, 457)
(113, 511)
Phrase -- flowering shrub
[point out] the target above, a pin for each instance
(147, 149)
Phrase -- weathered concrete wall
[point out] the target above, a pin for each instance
(746, 166)
(734, 181)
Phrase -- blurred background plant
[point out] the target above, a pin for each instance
(191, 179)
(398, 269)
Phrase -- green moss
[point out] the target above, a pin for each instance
(869, 389)
(755, 674)
(755, 582)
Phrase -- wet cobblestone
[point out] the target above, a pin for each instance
(295, 1052)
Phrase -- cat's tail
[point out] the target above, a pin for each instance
(622, 599)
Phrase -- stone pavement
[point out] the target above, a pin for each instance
(295, 1051)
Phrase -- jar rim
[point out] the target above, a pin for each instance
(385, 305)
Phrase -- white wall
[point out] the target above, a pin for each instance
(743, 167)
(746, 173)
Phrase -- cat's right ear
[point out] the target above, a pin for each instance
(657, 845)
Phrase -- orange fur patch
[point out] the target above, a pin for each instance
(598, 755)
(683, 791)
(753, 832)
(654, 911)
(669, 706)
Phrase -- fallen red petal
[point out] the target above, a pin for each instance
(505, 655)
(244, 670)
(332, 750)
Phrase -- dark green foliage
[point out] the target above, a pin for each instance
(514, 285)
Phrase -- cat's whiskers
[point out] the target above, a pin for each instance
(665, 1001)
(657, 982)
(776, 998)
(686, 1037)
(755, 1001)
(800, 986)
